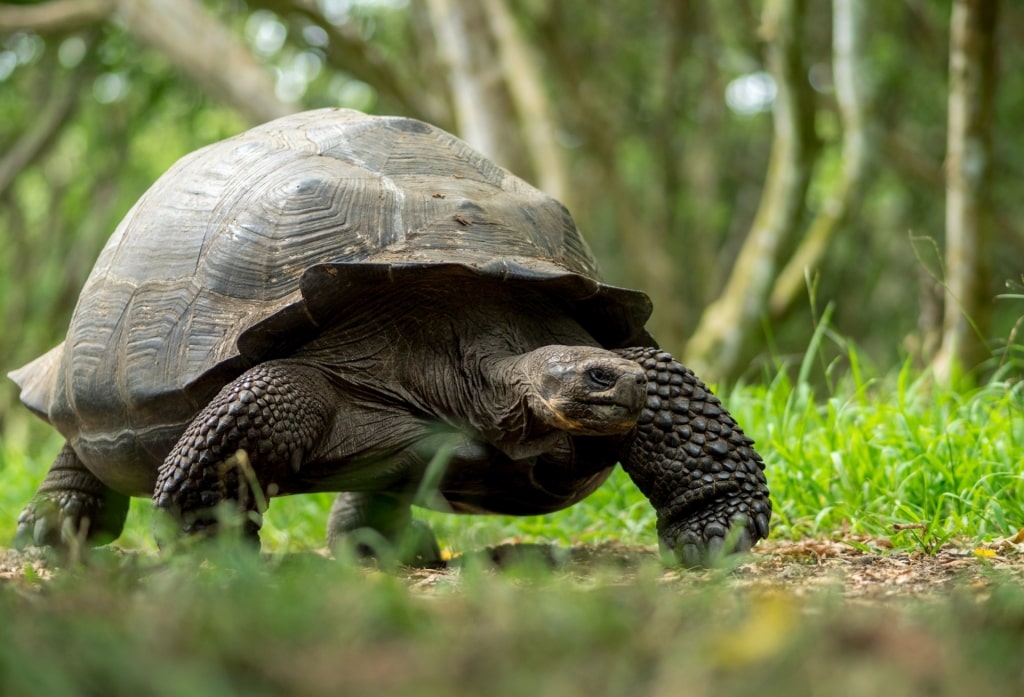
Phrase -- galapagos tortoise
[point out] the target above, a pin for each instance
(329, 300)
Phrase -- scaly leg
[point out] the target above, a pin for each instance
(387, 516)
(71, 507)
(695, 465)
(258, 430)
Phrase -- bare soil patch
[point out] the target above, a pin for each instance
(859, 570)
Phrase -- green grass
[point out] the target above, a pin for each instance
(896, 450)
(854, 458)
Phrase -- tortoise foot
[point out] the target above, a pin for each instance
(380, 526)
(65, 519)
(416, 546)
(696, 465)
(704, 540)
(72, 508)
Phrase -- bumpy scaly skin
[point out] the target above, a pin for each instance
(695, 465)
(257, 429)
(72, 506)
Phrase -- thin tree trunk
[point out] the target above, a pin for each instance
(702, 163)
(728, 328)
(851, 76)
(474, 78)
(968, 168)
(525, 82)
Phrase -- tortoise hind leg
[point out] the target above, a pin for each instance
(71, 506)
(360, 517)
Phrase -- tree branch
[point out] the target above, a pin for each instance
(346, 50)
(55, 16)
(41, 134)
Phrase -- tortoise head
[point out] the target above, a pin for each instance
(583, 390)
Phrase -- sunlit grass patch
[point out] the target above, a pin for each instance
(896, 450)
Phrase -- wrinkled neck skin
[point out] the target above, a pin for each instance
(506, 407)
(457, 355)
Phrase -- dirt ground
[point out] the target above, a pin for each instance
(861, 570)
(867, 571)
(871, 572)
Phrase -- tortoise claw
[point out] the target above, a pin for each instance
(68, 519)
(41, 523)
(761, 522)
(688, 555)
(744, 541)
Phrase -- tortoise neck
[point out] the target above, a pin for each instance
(455, 354)
(503, 409)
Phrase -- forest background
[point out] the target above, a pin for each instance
(760, 169)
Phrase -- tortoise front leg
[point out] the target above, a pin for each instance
(72, 506)
(695, 465)
(255, 433)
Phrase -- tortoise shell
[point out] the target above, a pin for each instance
(246, 248)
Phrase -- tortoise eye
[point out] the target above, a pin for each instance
(600, 378)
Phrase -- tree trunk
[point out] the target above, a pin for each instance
(727, 332)
(851, 75)
(465, 45)
(523, 75)
(968, 168)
